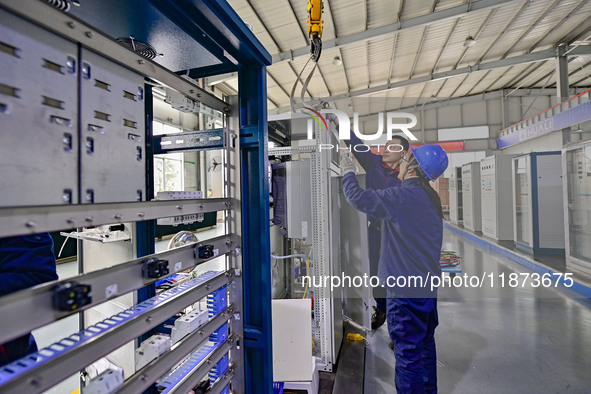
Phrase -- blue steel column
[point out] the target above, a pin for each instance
(146, 230)
(258, 357)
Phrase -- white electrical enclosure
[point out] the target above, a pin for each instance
(497, 197)
(455, 196)
(576, 178)
(538, 217)
(292, 340)
(299, 198)
(471, 196)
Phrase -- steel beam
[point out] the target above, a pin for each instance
(31, 220)
(496, 95)
(395, 28)
(561, 73)
(582, 50)
(256, 254)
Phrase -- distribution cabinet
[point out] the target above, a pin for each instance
(455, 196)
(497, 197)
(471, 196)
(538, 217)
(576, 180)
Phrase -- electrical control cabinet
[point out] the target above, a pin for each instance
(497, 197)
(577, 207)
(77, 151)
(538, 217)
(472, 214)
(455, 196)
(299, 198)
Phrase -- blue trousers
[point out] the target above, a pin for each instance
(374, 241)
(411, 324)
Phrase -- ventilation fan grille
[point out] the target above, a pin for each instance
(138, 47)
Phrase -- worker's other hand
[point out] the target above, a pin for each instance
(346, 163)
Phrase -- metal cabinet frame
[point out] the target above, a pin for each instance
(215, 26)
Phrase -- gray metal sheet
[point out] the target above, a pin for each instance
(36, 165)
(355, 260)
(17, 221)
(112, 120)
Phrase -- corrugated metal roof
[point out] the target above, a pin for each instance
(399, 56)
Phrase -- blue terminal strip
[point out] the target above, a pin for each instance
(15, 369)
(186, 368)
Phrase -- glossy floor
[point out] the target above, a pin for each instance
(499, 339)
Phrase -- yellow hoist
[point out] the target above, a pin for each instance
(315, 8)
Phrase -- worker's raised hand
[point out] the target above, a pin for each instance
(346, 163)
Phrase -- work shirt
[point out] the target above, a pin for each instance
(378, 175)
(26, 261)
(412, 232)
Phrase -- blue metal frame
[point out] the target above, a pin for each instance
(217, 27)
(255, 229)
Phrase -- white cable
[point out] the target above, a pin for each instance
(62, 248)
(287, 257)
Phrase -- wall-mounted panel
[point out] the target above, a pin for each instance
(113, 132)
(38, 109)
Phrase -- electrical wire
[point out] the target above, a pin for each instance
(308, 281)
(301, 245)
(288, 256)
(63, 245)
(291, 95)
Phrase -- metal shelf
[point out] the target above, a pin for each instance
(30, 220)
(36, 373)
(32, 308)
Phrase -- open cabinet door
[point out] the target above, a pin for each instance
(355, 260)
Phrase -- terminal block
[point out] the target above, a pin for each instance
(70, 296)
(107, 382)
(154, 268)
(187, 324)
(151, 349)
(205, 251)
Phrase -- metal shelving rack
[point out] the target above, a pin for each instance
(202, 38)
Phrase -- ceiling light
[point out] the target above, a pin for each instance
(337, 61)
(469, 42)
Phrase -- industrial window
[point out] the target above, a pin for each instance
(169, 171)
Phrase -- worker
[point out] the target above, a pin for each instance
(411, 244)
(382, 173)
(25, 261)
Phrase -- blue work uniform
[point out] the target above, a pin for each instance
(378, 177)
(25, 261)
(412, 234)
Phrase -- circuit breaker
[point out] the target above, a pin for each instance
(472, 214)
(497, 197)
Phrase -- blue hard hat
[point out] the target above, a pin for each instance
(432, 159)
